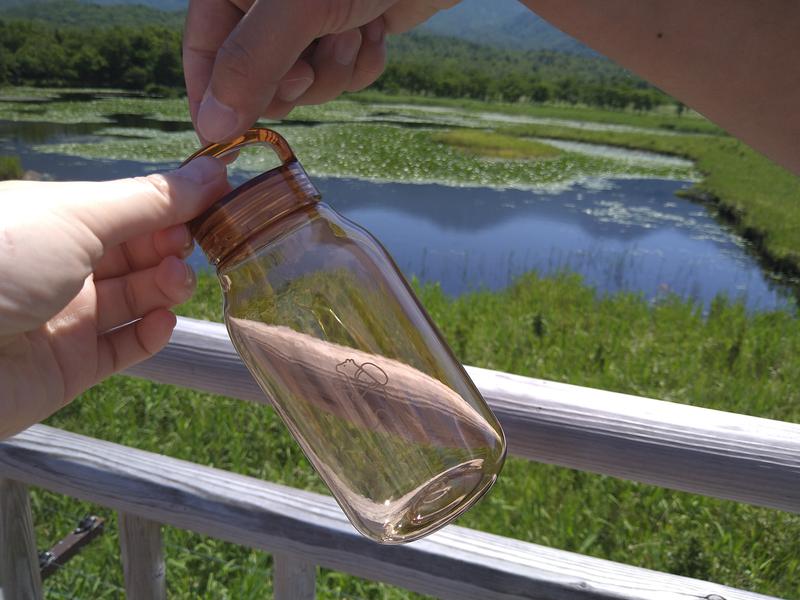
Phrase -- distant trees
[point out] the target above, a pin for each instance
(437, 66)
(134, 58)
(148, 57)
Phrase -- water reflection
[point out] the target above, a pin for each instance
(629, 235)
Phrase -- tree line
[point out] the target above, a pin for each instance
(439, 66)
(147, 57)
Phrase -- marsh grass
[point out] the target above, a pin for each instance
(689, 122)
(10, 168)
(488, 143)
(555, 328)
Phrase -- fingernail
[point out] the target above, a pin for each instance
(346, 48)
(188, 248)
(375, 30)
(190, 277)
(291, 89)
(181, 237)
(201, 170)
(215, 120)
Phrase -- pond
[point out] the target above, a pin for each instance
(626, 234)
(622, 231)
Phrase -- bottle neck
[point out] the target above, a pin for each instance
(251, 207)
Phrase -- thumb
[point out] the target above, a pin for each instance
(116, 211)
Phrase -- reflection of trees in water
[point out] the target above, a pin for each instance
(613, 248)
(466, 209)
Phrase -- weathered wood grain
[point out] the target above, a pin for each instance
(19, 561)
(454, 563)
(725, 455)
(142, 558)
(293, 577)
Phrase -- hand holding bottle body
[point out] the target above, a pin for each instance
(92, 270)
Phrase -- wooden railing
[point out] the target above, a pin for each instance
(737, 457)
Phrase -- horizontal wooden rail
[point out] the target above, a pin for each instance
(454, 563)
(725, 455)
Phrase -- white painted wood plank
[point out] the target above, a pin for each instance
(19, 561)
(725, 455)
(454, 563)
(293, 577)
(142, 552)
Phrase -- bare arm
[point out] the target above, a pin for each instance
(735, 61)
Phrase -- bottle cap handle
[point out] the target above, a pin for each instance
(256, 135)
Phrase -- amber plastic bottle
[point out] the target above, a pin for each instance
(337, 340)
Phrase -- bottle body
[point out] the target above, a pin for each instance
(333, 335)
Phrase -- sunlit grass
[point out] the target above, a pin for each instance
(488, 143)
(555, 328)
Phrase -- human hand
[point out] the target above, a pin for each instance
(88, 272)
(244, 59)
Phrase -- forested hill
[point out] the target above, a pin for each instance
(83, 14)
(72, 43)
(501, 23)
(165, 5)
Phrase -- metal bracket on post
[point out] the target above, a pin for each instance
(88, 529)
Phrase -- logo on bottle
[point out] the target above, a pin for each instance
(366, 382)
(367, 374)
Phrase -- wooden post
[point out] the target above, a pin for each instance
(142, 558)
(19, 561)
(293, 578)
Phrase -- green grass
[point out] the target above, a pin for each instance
(554, 328)
(496, 145)
(10, 168)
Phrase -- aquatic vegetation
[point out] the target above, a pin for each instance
(342, 138)
(376, 152)
(487, 143)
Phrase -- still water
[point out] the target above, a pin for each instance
(630, 234)
(623, 234)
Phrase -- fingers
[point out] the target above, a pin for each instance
(208, 24)
(252, 63)
(145, 251)
(134, 343)
(294, 84)
(347, 61)
(123, 299)
(372, 57)
(117, 211)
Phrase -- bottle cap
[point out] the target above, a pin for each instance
(255, 204)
